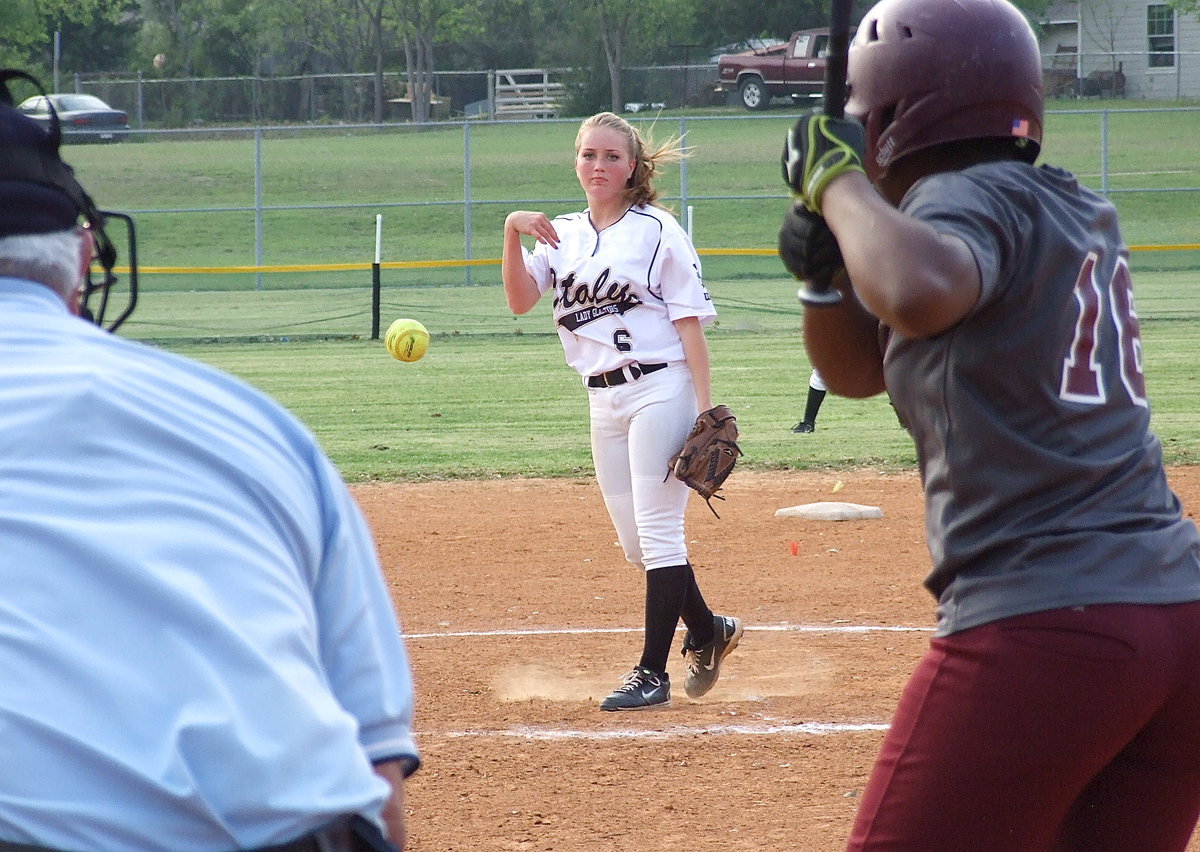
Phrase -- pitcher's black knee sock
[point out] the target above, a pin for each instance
(666, 591)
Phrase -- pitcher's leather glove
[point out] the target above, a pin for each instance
(819, 149)
(709, 453)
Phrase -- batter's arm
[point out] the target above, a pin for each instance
(695, 350)
(842, 341)
(915, 280)
(520, 289)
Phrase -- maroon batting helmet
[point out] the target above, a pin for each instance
(925, 72)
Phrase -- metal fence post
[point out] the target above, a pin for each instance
(467, 196)
(258, 208)
(683, 170)
(375, 276)
(1104, 153)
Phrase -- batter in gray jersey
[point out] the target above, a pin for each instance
(1018, 508)
(1058, 705)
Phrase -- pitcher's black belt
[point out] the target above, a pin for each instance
(621, 375)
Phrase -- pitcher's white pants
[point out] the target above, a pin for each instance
(636, 428)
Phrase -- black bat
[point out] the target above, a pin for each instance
(834, 95)
(833, 104)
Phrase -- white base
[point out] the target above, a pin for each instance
(831, 511)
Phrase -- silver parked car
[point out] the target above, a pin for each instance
(84, 118)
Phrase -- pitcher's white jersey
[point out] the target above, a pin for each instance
(617, 292)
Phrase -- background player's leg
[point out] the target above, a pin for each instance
(812, 404)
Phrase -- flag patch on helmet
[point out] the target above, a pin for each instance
(1020, 127)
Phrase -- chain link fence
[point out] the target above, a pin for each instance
(234, 221)
(154, 101)
(161, 102)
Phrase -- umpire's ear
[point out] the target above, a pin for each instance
(87, 249)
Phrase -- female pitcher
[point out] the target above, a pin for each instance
(630, 307)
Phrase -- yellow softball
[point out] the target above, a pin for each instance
(406, 339)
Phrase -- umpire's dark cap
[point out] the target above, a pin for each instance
(30, 200)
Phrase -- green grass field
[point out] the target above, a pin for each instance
(415, 178)
(494, 396)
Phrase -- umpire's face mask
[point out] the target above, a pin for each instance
(39, 194)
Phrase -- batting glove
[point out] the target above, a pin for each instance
(819, 149)
(811, 252)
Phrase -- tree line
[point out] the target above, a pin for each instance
(203, 38)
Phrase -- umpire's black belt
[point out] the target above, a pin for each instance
(621, 375)
(349, 833)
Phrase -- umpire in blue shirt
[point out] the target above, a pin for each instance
(198, 652)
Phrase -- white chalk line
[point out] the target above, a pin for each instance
(525, 732)
(578, 631)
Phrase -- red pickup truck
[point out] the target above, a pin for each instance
(796, 68)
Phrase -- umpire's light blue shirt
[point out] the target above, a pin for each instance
(197, 649)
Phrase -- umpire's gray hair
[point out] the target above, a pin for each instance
(51, 259)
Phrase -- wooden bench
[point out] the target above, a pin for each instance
(525, 93)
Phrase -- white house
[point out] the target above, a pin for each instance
(1120, 48)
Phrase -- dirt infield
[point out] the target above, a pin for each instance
(521, 614)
